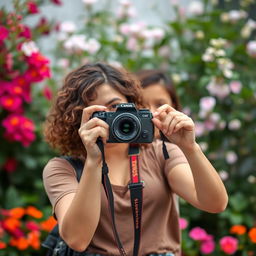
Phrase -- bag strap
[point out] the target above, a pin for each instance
(53, 236)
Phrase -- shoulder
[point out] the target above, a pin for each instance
(58, 165)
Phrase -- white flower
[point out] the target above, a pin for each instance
(236, 15)
(251, 179)
(199, 128)
(176, 78)
(223, 175)
(76, 42)
(207, 103)
(63, 62)
(199, 34)
(125, 3)
(235, 86)
(67, 27)
(220, 53)
(89, 2)
(234, 124)
(196, 8)
(251, 48)
(227, 73)
(231, 157)
(218, 88)
(92, 46)
(218, 42)
(29, 48)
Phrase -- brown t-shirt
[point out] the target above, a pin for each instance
(160, 228)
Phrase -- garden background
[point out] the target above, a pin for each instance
(209, 50)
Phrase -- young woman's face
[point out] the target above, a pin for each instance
(156, 95)
(109, 97)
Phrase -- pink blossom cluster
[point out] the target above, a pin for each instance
(22, 65)
(207, 244)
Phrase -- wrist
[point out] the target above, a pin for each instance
(188, 149)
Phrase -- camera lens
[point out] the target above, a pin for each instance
(126, 127)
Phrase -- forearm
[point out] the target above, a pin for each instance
(82, 217)
(210, 191)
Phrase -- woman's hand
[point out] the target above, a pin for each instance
(176, 126)
(91, 129)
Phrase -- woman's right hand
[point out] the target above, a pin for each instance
(91, 129)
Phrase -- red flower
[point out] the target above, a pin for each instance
(37, 60)
(25, 32)
(57, 2)
(32, 7)
(19, 128)
(10, 165)
(3, 33)
(47, 92)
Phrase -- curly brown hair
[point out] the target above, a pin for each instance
(63, 121)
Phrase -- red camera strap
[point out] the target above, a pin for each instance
(135, 187)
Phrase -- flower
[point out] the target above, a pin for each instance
(252, 234)
(238, 229)
(32, 7)
(183, 223)
(3, 33)
(67, 27)
(207, 246)
(251, 49)
(235, 86)
(229, 244)
(198, 233)
(207, 103)
(10, 165)
(231, 157)
(195, 8)
(29, 48)
(234, 124)
(34, 212)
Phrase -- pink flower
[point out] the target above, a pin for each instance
(57, 2)
(207, 246)
(32, 7)
(207, 103)
(198, 233)
(183, 223)
(32, 225)
(25, 32)
(251, 49)
(3, 33)
(235, 86)
(11, 103)
(228, 244)
(37, 60)
(10, 165)
(19, 128)
(47, 92)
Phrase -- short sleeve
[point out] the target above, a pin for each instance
(59, 179)
(176, 156)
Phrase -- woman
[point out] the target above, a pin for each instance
(81, 208)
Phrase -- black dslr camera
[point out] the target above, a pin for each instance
(127, 124)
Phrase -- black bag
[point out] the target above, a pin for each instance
(53, 242)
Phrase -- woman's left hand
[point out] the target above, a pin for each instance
(176, 126)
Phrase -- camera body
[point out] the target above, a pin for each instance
(127, 124)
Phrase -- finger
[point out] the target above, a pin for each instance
(87, 112)
(164, 108)
(95, 122)
(175, 120)
(89, 137)
(184, 124)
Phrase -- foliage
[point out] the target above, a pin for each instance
(208, 49)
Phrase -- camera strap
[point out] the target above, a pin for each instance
(135, 188)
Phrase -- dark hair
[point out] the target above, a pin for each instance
(63, 121)
(148, 77)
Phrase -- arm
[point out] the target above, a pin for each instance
(78, 213)
(197, 182)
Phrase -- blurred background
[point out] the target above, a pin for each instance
(208, 48)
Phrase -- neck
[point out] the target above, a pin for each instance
(116, 150)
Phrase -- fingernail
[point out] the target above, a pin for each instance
(156, 113)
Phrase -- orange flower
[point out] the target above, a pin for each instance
(2, 245)
(21, 243)
(11, 224)
(17, 213)
(252, 234)
(34, 239)
(238, 229)
(32, 211)
(48, 224)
